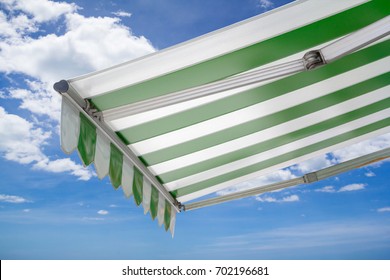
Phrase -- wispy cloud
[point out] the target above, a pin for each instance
(313, 164)
(93, 219)
(347, 188)
(352, 187)
(267, 198)
(65, 165)
(277, 176)
(102, 212)
(121, 13)
(266, 4)
(369, 174)
(327, 189)
(362, 148)
(13, 199)
(384, 209)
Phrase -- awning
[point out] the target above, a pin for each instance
(261, 95)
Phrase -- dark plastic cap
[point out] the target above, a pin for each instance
(61, 86)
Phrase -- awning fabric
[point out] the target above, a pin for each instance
(203, 145)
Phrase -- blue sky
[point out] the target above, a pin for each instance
(53, 208)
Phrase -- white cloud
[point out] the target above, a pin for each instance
(352, 187)
(291, 198)
(102, 212)
(363, 148)
(342, 155)
(347, 188)
(22, 142)
(38, 99)
(89, 43)
(121, 13)
(278, 176)
(265, 199)
(26, 210)
(13, 199)
(266, 4)
(16, 27)
(370, 174)
(64, 165)
(41, 10)
(327, 189)
(313, 164)
(93, 219)
(384, 209)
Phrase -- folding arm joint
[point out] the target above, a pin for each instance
(310, 177)
(313, 59)
(92, 111)
(179, 206)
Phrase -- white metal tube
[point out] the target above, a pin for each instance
(357, 40)
(237, 81)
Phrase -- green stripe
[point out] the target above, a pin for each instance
(138, 186)
(87, 140)
(154, 203)
(275, 142)
(116, 161)
(254, 96)
(167, 215)
(280, 159)
(249, 57)
(267, 121)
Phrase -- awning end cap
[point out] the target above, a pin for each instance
(61, 86)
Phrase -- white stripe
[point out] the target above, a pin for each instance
(70, 126)
(265, 108)
(127, 177)
(272, 132)
(146, 194)
(217, 43)
(271, 169)
(302, 143)
(102, 155)
(160, 209)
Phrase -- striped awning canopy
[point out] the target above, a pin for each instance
(235, 104)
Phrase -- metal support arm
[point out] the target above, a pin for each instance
(306, 179)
